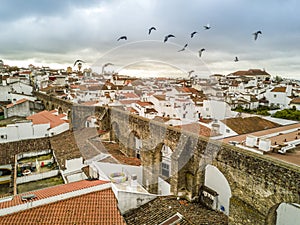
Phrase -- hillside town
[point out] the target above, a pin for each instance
(47, 165)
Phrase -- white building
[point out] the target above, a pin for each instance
(213, 109)
(39, 125)
(279, 96)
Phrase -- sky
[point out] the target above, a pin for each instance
(55, 33)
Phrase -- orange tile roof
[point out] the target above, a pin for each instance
(279, 89)
(196, 128)
(45, 117)
(249, 124)
(98, 207)
(130, 95)
(52, 191)
(17, 102)
(144, 103)
(295, 101)
(128, 102)
(160, 97)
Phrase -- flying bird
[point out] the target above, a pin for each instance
(184, 47)
(193, 33)
(236, 59)
(206, 27)
(256, 34)
(122, 37)
(190, 72)
(77, 61)
(200, 51)
(108, 64)
(168, 36)
(151, 29)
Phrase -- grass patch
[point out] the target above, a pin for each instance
(11, 120)
(39, 158)
(35, 185)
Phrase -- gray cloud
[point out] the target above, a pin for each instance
(63, 30)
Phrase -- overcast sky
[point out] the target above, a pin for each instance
(56, 33)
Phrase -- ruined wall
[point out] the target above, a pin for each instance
(9, 150)
(258, 183)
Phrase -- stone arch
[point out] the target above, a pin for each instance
(216, 181)
(60, 111)
(283, 214)
(115, 132)
(134, 145)
(47, 106)
(69, 114)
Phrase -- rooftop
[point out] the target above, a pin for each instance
(45, 117)
(196, 128)
(161, 209)
(279, 89)
(17, 103)
(249, 124)
(52, 191)
(99, 207)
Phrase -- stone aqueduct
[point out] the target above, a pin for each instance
(258, 184)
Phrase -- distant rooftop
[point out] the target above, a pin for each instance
(164, 209)
(249, 124)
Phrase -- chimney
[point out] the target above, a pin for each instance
(133, 180)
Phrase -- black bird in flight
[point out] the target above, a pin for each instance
(168, 36)
(256, 34)
(184, 47)
(206, 27)
(193, 33)
(77, 61)
(150, 30)
(122, 37)
(190, 72)
(236, 59)
(200, 51)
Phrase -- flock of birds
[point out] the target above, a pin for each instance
(206, 27)
(167, 37)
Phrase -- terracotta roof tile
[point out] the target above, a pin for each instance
(98, 207)
(45, 117)
(249, 124)
(197, 129)
(161, 209)
(52, 191)
(295, 101)
(143, 104)
(279, 89)
(17, 102)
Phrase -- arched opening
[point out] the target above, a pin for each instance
(47, 106)
(284, 214)
(115, 132)
(69, 114)
(216, 191)
(60, 111)
(53, 107)
(165, 172)
(135, 143)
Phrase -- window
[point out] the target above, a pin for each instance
(227, 131)
(138, 154)
(165, 169)
(275, 96)
(3, 136)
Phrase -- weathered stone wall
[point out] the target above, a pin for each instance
(258, 183)
(9, 150)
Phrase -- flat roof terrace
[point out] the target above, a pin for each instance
(279, 136)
